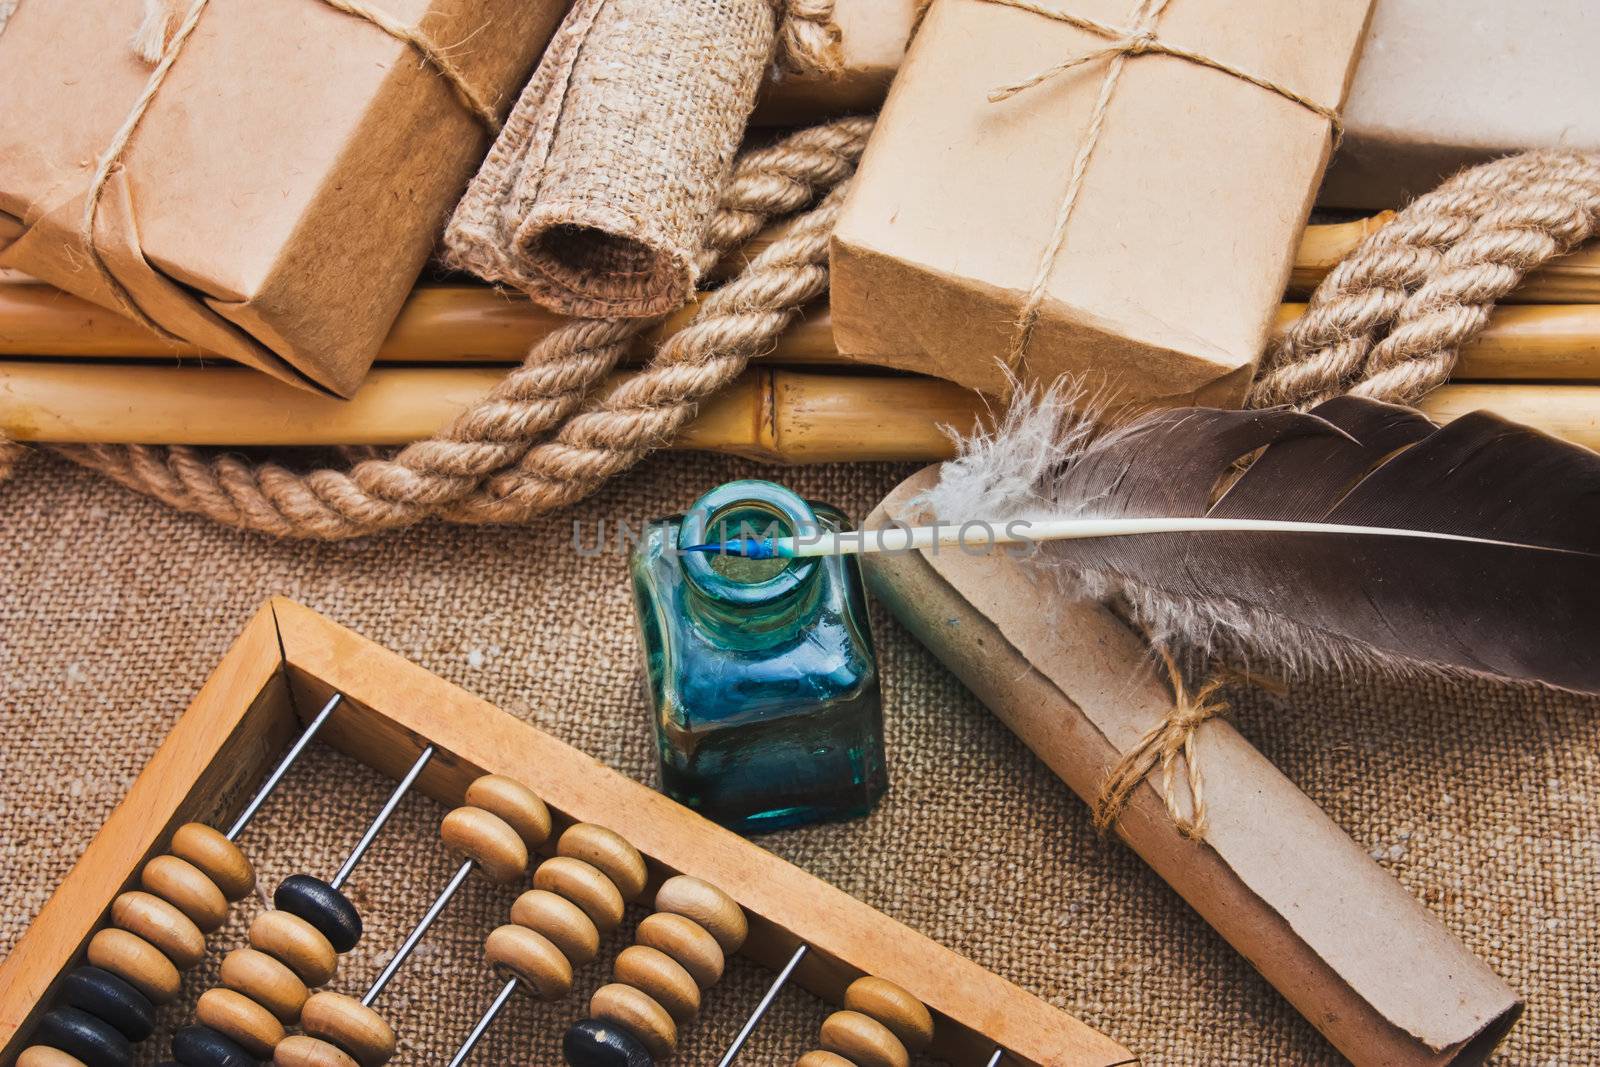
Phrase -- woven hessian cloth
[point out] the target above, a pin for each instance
(115, 609)
(596, 194)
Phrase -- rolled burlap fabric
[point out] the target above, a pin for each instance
(597, 192)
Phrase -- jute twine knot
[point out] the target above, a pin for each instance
(1176, 735)
(1140, 39)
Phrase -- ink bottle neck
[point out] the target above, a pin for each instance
(746, 603)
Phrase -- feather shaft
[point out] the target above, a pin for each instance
(980, 534)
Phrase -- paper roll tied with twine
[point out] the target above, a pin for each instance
(597, 193)
(1349, 946)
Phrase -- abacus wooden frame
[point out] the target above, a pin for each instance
(284, 667)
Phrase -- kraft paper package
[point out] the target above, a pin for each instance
(283, 189)
(1446, 84)
(1152, 267)
(872, 42)
(1442, 85)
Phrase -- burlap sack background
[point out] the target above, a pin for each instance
(115, 609)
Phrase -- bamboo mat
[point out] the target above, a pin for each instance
(113, 610)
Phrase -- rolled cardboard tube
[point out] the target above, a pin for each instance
(1381, 978)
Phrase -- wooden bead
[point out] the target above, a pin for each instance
(515, 803)
(532, 957)
(606, 850)
(217, 858)
(105, 996)
(662, 977)
(561, 921)
(161, 924)
(295, 943)
(350, 1025)
(584, 885)
(302, 1051)
(45, 1056)
(639, 1014)
(321, 905)
(706, 905)
(186, 887)
(594, 1043)
(687, 942)
(137, 962)
(265, 980)
(892, 1006)
(241, 1019)
(863, 1040)
(201, 1046)
(821, 1058)
(487, 840)
(94, 1041)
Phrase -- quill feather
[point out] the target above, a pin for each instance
(1525, 607)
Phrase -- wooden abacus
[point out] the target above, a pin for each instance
(292, 672)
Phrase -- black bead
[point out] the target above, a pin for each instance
(105, 996)
(594, 1043)
(77, 1033)
(201, 1046)
(323, 906)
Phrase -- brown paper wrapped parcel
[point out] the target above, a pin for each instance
(1446, 84)
(872, 42)
(284, 188)
(1179, 235)
(1377, 973)
(1442, 85)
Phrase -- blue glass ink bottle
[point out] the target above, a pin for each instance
(762, 678)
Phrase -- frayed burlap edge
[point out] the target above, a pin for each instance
(595, 198)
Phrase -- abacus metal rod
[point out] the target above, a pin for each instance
(994, 1061)
(376, 826)
(761, 1008)
(282, 768)
(414, 938)
(483, 1024)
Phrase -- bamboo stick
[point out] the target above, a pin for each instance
(1572, 279)
(464, 324)
(1523, 342)
(769, 414)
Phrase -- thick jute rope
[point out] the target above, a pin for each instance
(111, 158)
(487, 466)
(1139, 40)
(809, 40)
(1389, 320)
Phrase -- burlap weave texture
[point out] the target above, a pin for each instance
(596, 194)
(113, 610)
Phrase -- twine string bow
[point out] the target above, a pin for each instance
(1138, 40)
(1161, 746)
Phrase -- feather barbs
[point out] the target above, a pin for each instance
(1512, 589)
